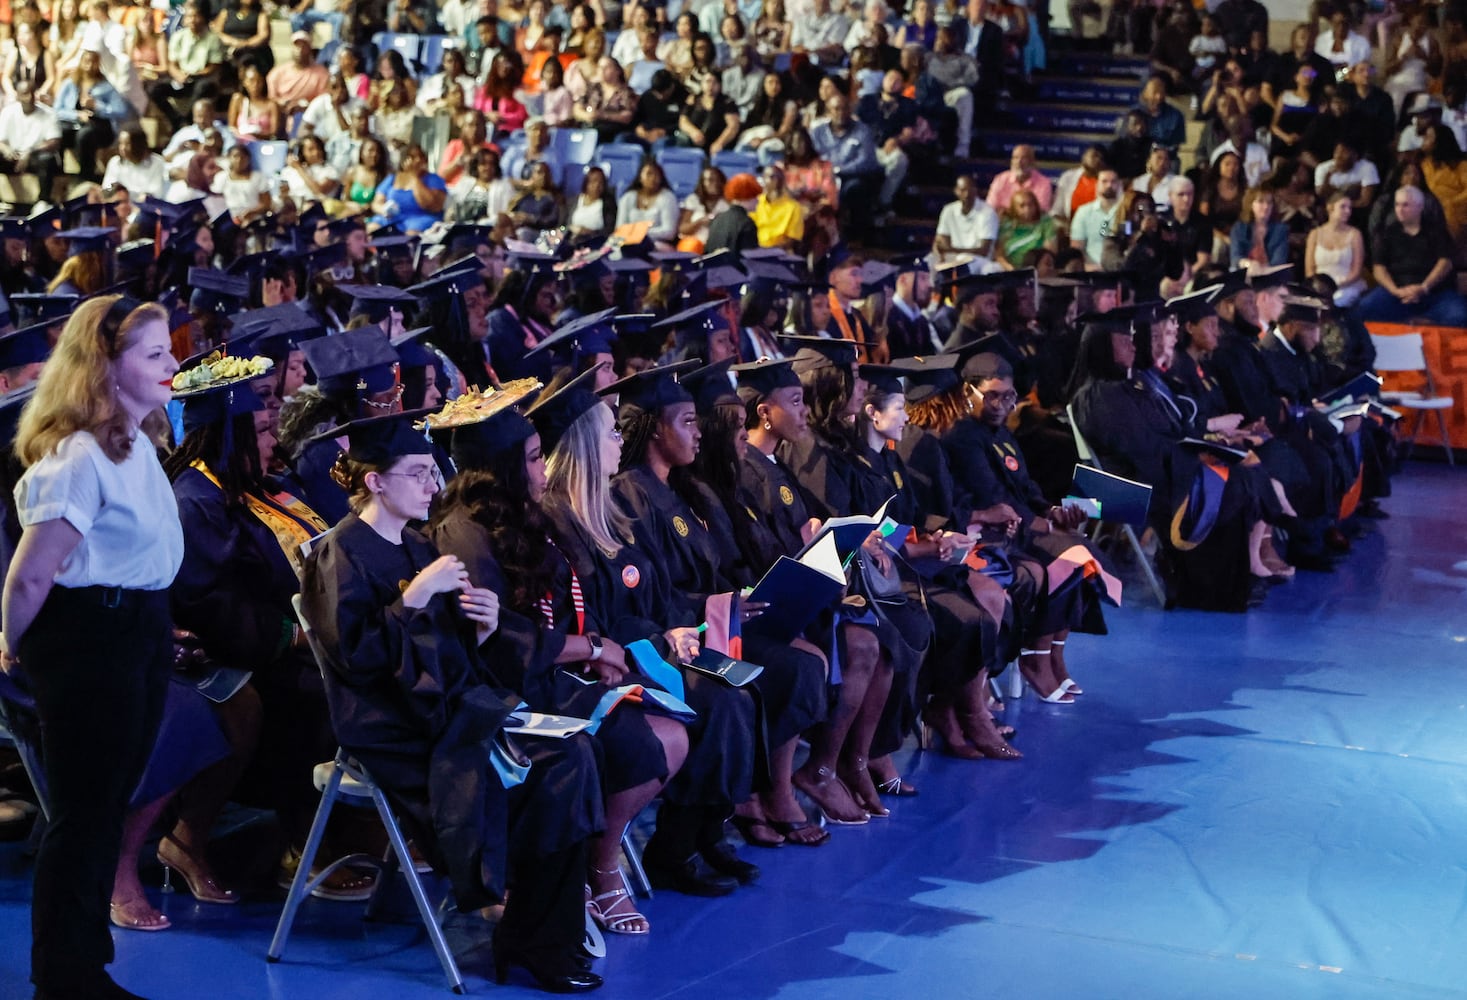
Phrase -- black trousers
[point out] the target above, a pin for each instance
(86, 141)
(98, 661)
(45, 165)
(177, 101)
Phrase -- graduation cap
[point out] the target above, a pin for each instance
(136, 255)
(221, 402)
(216, 291)
(553, 415)
(630, 265)
(1265, 278)
(481, 425)
(461, 233)
(1125, 317)
(770, 272)
(584, 336)
(28, 346)
(251, 266)
(1232, 283)
(989, 343)
(888, 377)
(984, 283)
(395, 247)
(353, 362)
(938, 375)
(710, 386)
(15, 228)
(673, 260)
(758, 379)
(88, 239)
(411, 352)
(1303, 310)
(839, 256)
(653, 389)
(274, 331)
(822, 352)
(318, 259)
(876, 275)
(381, 440)
(223, 226)
(698, 317)
(1193, 306)
(721, 269)
(376, 301)
(45, 305)
(986, 365)
(340, 228)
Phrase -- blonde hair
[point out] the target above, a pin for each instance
(76, 390)
(576, 481)
(84, 270)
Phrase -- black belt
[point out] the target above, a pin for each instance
(107, 597)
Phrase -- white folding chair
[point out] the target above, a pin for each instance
(1088, 457)
(1405, 353)
(345, 777)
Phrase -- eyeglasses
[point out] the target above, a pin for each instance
(424, 477)
(1005, 398)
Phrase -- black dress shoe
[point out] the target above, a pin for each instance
(686, 877)
(1318, 563)
(564, 977)
(722, 859)
(1335, 540)
(1373, 509)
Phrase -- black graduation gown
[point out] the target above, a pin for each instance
(908, 336)
(411, 699)
(507, 350)
(233, 591)
(525, 648)
(317, 488)
(1136, 436)
(628, 598)
(994, 471)
(792, 686)
(1243, 373)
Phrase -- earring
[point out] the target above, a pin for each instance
(768, 426)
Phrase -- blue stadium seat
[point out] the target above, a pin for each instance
(432, 52)
(621, 161)
(683, 167)
(733, 162)
(579, 144)
(269, 157)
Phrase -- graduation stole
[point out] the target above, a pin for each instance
(546, 606)
(289, 520)
(847, 332)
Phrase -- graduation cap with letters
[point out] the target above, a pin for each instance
(554, 414)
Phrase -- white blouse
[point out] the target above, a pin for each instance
(125, 512)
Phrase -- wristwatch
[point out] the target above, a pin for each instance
(596, 647)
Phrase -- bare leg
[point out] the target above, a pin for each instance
(817, 778)
(1058, 643)
(858, 743)
(1256, 565)
(977, 724)
(130, 906)
(621, 809)
(1036, 664)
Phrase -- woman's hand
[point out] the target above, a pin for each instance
(875, 548)
(8, 660)
(1225, 424)
(480, 606)
(684, 642)
(611, 669)
(442, 576)
(947, 544)
(749, 610)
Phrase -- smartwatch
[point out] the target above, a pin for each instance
(596, 647)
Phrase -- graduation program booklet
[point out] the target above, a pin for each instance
(1365, 384)
(555, 727)
(849, 532)
(797, 590)
(1217, 449)
(735, 673)
(1120, 500)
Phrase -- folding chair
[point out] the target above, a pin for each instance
(1128, 534)
(345, 777)
(1405, 353)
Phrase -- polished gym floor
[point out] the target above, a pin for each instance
(1270, 805)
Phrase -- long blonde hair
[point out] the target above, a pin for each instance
(84, 270)
(76, 390)
(575, 481)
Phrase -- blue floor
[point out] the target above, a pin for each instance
(1270, 805)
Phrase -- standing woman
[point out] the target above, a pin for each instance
(101, 544)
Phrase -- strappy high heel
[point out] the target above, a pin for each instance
(195, 871)
(601, 906)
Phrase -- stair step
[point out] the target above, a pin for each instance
(1115, 93)
(1068, 146)
(1063, 118)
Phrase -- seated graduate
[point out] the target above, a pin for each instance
(969, 415)
(628, 598)
(357, 373)
(241, 561)
(521, 315)
(681, 521)
(490, 518)
(415, 702)
(967, 608)
(1203, 515)
(824, 465)
(773, 404)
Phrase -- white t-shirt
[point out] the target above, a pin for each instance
(22, 132)
(242, 194)
(1355, 50)
(320, 114)
(125, 512)
(149, 177)
(1362, 173)
(1092, 224)
(1255, 160)
(321, 173)
(968, 229)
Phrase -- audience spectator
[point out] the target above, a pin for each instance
(245, 190)
(592, 213)
(892, 119)
(609, 105)
(1293, 113)
(309, 13)
(195, 61)
(1021, 176)
(659, 111)
(344, 147)
(921, 28)
(1191, 229)
(710, 122)
(772, 31)
(30, 139)
(243, 28)
(308, 176)
(1099, 220)
(698, 210)
(539, 206)
(851, 149)
(1373, 115)
(1341, 44)
(458, 154)
(1259, 239)
(135, 168)
(434, 89)
(1347, 172)
(1022, 229)
(743, 80)
(329, 114)
(978, 37)
(392, 73)
(1284, 73)
(30, 61)
(767, 127)
(778, 217)
(365, 174)
(822, 33)
(967, 228)
(557, 105)
(1076, 186)
(1159, 176)
(252, 114)
(1128, 152)
(482, 194)
(810, 178)
(90, 110)
(413, 197)
(1413, 269)
(1240, 20)
(1337, 249)
(732, 226)
(1445, 171)
(649, 200)
(1164, 123)
(1242, 143)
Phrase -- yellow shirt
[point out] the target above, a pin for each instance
(778, 220)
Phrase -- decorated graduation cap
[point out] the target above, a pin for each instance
(888, 377)
(758, 379)
(222, 402)
(653, 389)
(553, 415)
(30, 345)
(1265, 278)
(1193, 306)
(353, 362)
(584, 336)
(483, 425)
(813, 353)
(382, 440)
(710, 386)
(375, 302)
(216, 291)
